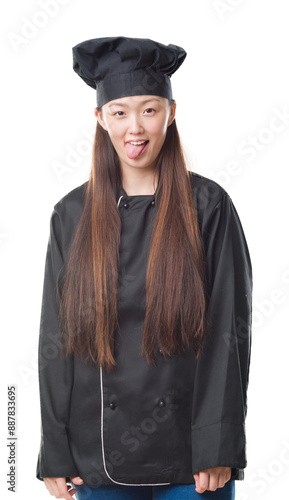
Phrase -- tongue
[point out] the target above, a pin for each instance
(133, 151)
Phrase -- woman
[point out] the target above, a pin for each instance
(145, 331)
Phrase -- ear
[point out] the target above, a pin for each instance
(172, 113)
(99, 116)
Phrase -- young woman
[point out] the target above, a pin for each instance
(145, 332)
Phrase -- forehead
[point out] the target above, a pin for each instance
(136, 101)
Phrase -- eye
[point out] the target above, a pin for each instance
(149, 111)
(119, 113)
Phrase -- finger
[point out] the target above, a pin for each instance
(61, 489)
(76, 480)
(224, 476)
(200, 489)
(66, 495)
(47, 484)
(228, 474)
(203, 482)
(213, 481)
(50, 485)
(196, 477)
(72, 491)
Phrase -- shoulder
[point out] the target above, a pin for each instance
(66, 216)
(72, 202)
(208, 195)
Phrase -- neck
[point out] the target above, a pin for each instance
(144, 183)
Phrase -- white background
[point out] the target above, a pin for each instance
(230, 91)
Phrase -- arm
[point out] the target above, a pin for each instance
(220, 391)
(55, 373)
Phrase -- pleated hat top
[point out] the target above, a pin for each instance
(120, 66)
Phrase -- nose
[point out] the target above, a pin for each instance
(135, 124)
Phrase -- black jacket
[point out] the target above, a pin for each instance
(141, 425)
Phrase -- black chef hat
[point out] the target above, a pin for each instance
(120, 66)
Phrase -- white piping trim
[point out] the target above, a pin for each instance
(102, 440)
(102, 445)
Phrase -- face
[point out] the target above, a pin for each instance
(137, 126)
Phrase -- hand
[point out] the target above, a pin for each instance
(57, 486)
(211, 479)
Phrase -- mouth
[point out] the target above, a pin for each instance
(135, 148)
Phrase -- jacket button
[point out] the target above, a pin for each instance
(153, 202)
(112, 405)
(126, 205)
(162, 403)
(160, 350)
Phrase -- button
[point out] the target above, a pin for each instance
(160, 350)
(153, 202)
(126, 205)
(162, 403)
(112, 405)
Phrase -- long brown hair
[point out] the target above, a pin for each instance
(175, 290)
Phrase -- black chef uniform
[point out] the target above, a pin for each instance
(144, 425)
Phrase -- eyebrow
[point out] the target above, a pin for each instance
(125, 105)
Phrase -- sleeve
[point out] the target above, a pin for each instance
(55, 373)
(222, 372)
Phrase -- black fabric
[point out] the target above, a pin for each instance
(142, 425)
(120, 66)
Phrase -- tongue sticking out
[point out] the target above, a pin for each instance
(133, 150)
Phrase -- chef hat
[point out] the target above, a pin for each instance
(120, 66)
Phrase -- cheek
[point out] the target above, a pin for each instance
(159, 130)
(115, 133)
